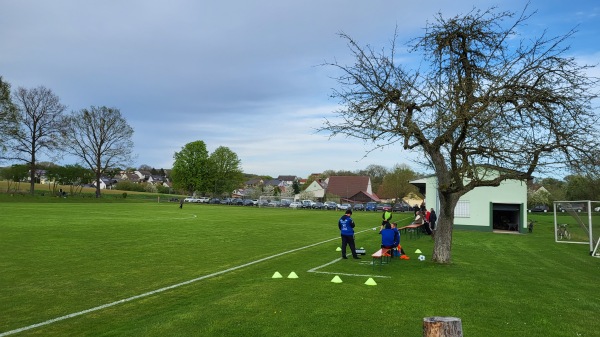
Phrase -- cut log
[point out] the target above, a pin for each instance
(442, 327)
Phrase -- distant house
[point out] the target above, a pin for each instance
(317, 188)
(485, 208)
(351, 189)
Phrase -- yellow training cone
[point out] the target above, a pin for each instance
(418, 251)
(338, 249)
(292, 275)
(371, 282)
(277, 275)
(336, 279)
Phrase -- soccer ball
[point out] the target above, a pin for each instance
(421, 257)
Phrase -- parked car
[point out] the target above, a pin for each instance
(274, 203)
(296, 204)
(190, 199)
(597, 209)
(401, 207)
(540, 208)
(358, 207)
(237, 201)
(384, 207)
(330, 205)
(572, 207)
(285, 203)
(344, 207)
(214, 201)
(318, 205)
(204, 200)
(248, 202)
(371, 206)
(307, 203)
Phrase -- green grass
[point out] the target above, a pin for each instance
(58, 258)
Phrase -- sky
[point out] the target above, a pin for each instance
(247, 75)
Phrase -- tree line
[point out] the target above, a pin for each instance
(34, 122)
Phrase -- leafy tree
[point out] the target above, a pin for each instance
(191, 168)
(396, 183)
(100, 137)
(580, 187)
(16, 174)
(296, 187)
(35, 127)
(225, 172)
(376, 173)
(74, 176)
(485, 107)
(555, 186)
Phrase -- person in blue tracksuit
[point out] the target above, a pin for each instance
(346, 226)
(390, 238)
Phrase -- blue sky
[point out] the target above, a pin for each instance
(240, 74)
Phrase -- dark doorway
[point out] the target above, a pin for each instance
(506, 217)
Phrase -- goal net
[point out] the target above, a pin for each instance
(578, 222)
(274, 201)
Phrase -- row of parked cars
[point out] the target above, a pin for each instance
(306, 204)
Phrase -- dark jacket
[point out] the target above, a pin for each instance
(346, 225)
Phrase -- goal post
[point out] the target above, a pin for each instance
(578, 222)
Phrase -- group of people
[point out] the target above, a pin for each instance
(425, 218)
(390, 236)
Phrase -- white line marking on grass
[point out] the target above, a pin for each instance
(314, 270)
(129, 299)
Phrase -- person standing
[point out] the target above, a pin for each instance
(386, 216)
(346, 226)
(432, 219)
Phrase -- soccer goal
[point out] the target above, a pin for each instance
(274, 201)
(578, 222)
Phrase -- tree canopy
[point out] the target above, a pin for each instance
(190, 168)
(482, 100)
(100, 137)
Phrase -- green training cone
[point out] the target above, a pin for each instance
(371, 282)
(336, 279)
(277, 275)
(292, 275)
(418, 251)
(338, 249)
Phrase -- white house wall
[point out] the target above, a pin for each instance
(479, 201)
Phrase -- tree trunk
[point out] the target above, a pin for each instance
(442, 247)
(442, 327)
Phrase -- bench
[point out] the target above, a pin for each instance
(413, 230)
(381, 255)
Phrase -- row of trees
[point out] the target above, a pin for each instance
(34, 122)
(572, 187)
(197, 171)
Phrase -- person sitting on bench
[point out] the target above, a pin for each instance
(390, 238)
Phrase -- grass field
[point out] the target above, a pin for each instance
(63, 257)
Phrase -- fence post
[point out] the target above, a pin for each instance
(442, 327)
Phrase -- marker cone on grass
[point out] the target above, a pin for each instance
(371, 282)
(277, 275)
(292, 275)
(418, 251)
(338, 249)
(336, 279)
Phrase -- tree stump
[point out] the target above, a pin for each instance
(442, 327)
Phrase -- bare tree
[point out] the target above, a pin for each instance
(484, 106)
(100, 137)
(7, 113)
(34, 127)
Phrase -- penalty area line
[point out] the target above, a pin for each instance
(146, 294)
